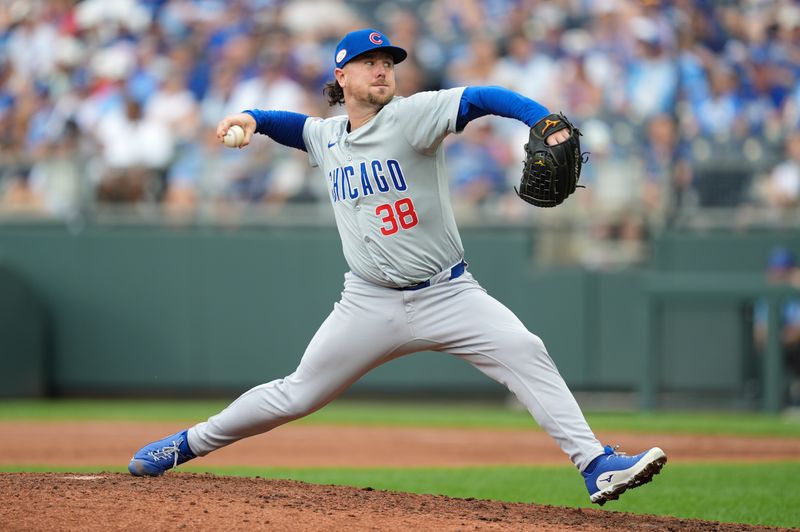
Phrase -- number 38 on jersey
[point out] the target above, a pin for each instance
(396, 216)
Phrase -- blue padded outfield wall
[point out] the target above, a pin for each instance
(200, 310)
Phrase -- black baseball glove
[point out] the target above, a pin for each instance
(551, 173)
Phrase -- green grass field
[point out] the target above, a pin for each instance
(764, 494)
(377, 413)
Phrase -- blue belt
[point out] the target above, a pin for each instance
(456, 271)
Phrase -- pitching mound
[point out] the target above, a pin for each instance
(112, 501)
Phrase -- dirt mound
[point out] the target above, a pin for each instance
(113, 501)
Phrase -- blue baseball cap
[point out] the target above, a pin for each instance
(360, 42)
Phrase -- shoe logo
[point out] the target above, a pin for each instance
(608, 479)
(538, 163)
(332, 143)
(548, 123)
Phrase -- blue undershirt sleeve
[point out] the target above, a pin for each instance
(481, 101)
(281, 126)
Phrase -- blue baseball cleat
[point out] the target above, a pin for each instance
(155, 458)
(609, 475)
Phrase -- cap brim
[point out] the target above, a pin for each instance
(398, 54)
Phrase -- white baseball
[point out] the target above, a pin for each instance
(234, 137)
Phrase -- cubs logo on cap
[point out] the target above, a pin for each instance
(360, 42)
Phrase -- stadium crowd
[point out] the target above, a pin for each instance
(685, 105)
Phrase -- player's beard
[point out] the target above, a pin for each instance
(379, 99)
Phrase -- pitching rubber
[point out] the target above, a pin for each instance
(642, 473)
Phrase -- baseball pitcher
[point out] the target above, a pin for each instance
(408, 287)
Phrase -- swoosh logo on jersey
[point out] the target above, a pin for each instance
(548, 123)
(331, 144)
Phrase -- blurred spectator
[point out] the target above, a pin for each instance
(581, 94)
(667, 172)
(207, 171)
(782, 268)
(328, 15)
(477, 64)
(136, 153)
(29, 45)
(174, 106)
(527, 70)
(477, 164)
(615, 232)
(424, 51)
(411, 80)
(273, 88)
(764, 94)
(652, 77)
(58, 179)
(451, 20)
(782, 188)
(218, 100)
(719, 112)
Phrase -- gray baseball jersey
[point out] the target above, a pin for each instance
(389, 187)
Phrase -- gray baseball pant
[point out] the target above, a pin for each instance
(372, 325)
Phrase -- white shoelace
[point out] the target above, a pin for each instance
(170, 451)
(614, 450)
